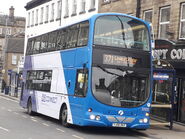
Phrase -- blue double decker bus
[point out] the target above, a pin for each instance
(96, 72)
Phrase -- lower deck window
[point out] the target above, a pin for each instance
(39, 80)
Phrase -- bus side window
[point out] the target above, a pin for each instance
(72, 36)
(83, 34)
(36, 45)
(61, 40)
(52, 41)
(81, 82)
(44, 43)
(29, 47)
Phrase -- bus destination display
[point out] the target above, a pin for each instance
(119, 60)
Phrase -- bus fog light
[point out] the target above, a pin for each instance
(145, 120)
(141, 120)
(147, 114)
(92, 117)
(98, 117)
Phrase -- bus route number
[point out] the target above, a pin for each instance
(119, 60)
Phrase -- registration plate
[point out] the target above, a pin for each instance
(119, 125)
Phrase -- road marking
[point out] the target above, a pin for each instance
(9, 99)
(144, 137)
(4, 129)
(16, 113)
(34, 120)
(77, 137)
(45, 124)
(24, 116)
(60, 130)
(9, 110)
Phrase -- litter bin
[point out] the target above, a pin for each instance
(6, 90)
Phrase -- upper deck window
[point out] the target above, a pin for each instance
(120, 31)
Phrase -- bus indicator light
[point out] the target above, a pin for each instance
(90, 110)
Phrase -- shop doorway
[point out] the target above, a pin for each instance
(180, 100)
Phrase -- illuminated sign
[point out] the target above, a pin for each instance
(119, 60)
(160, 76)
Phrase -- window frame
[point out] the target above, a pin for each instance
(144, 15)
(163, 23)
(41, 15)
(52, 12)
(81, 92)
(47, 14)
(59, 9)
(181, 21)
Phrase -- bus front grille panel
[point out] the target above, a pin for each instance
(120, 119)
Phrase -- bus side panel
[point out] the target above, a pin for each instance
(77, 103)
(25, 94)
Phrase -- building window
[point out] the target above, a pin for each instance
(59, 9)
(8, 31)
(1, 30)
(66, 9)
(92, 5)
(182, 22)
(32, 20)
(148, 16)
(82, 9)
(28, 20)
(52, 12)
(74, 7)
(14, 59)
(47, 14)
(41, 15)
(37, 18)
(164, 22)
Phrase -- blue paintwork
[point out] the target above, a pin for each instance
(74, 59)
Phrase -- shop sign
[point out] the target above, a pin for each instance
(169, 54)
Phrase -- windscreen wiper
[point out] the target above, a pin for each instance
(107, 70)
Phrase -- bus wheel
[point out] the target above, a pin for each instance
(63, 116)
(29, 107)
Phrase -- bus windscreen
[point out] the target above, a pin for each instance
(120, 31)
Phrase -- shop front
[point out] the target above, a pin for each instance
(173, 54)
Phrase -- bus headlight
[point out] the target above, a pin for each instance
(92, 117)
(140, 120)
(98, 117)
(145, 120)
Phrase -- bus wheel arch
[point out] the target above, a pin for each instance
(63, 115)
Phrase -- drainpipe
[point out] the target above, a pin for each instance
(138, 8)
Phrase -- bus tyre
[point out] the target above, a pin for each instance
(29, 107)
(63, 116)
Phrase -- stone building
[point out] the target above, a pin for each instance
(168, 21)
(10, 26)
(14, 60)
(166, 16)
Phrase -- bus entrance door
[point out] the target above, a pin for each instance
(163, 97)
(77, 87)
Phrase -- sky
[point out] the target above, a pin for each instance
(17, 4)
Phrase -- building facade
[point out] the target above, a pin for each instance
(10, 26)
(168, 21)
(166, 16)
(14, 60)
